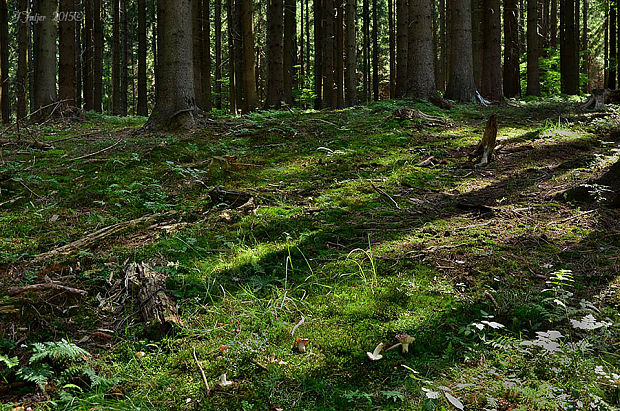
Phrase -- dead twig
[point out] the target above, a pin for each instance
(202, 372)
(44, 287)
(383, 193)
(97, 152)
(572, 217)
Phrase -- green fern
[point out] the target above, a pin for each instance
(62, 350)
(37, 373)
(10, 362)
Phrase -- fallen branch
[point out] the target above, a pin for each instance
(202, 372)
(378, 190)
(571, 217)
(45, 287)
(97, 152)
(32, 144)
(95, 237)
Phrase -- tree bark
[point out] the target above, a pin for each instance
(142, 109)
(116, 58)
(22, 60)
(5, 102)
(461, 86)
(533, 75)
(275, 85)
(124, 59)
(98, 56)
(231, 58)
(66, 42)
(613, 63)
(89, 53)
(366, 49)
(218, 52)
(553, 25)
(402, 44)
(339, 53)
(375, 51)
(585, 64)
(421, 66)
(175, 99)
(477, 34)
(329, 80)
(205, 69)
(491, 82)
(351, 53)
(512, 83)
(569, 66)
(247, 40)
(45, 54)
(288, 49)
(392, 45)
(197, 50)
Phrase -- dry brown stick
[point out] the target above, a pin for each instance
(202, 372)
(97, 152)
(44, 287)
(378, 190)
(572, 217)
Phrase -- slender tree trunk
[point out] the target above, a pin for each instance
(238, 53)
(553, 25)
(533, 75)
(66, 42)
(205, 69)
(98, 56)
(5, 102)
(142, 102)
(606, 45)
(402, 44)
(197, 50)
(247, 39)
(512, 85)
(351, 56)
(89, 53)
(175, 103)
(421, 67)
(288, 49)
(218, 52)
(45, 54)
(443, 44)
(569, 66)
(585, 68)
(392, 40)
(302, 67)
(318, 54)
(477, 23)
(275, 34)
(613, 63)
(124, 59)
(116, 58)
(77, 49)
(544, 26)
(491, 82)
(329, 81)
(154, 45)
(231, 57)
(375, 51)
(22, 60)
(339, 54)
(307, 37)
(461, 86)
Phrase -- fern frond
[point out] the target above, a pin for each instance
(37, 373)
(62, 350)
(10, 362)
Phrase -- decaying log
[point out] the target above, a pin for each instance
(31, 144)
(233, 198)
(148, 286)
(440, 102)
(600, 97)
(411, 113)
(99, 235)
(45, 287)
(486, 147)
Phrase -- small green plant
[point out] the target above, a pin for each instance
(370, 277)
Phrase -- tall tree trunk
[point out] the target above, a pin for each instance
(22, 60)
(142, 109)
(365, 48)
(351, 53)
(231, 58)
(339, 53)
(329, 80)
(569, 66)
(218, 52)
(77, 49)
(5, 102)
(175, 100)
(375, 51)
(392, 40)
(553, 25)
(288, 49)
(98, 56)
(402, 47)
(443, 44)
(275, 86)
(238, 53)
(197, 50)
(207, 99)
(491, 82)
(45, 54)
(533, 75)
(318, 53)
(302, 67)
(116, 58)
(544, 25)
(606, 44)
(421, 67)
(307, 37)
(585, 64)
(461, 86)
(247, 39)
(512, 85)
(613, 63)
(89, 53)
(124, 59)
(66, 42)
(477, 33)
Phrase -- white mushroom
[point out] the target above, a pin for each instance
(405, 340)
(375, 355)
(224, 382)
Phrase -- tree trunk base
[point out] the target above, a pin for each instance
(600, 97)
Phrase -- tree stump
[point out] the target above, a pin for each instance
(485, 149)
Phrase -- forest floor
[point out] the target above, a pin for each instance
(333, 228)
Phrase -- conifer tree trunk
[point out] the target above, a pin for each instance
(461, 86)
(366, 48)
(116, 58)
(318, 53)
(421, 67)
(553, 24)
(21, 85)
(329, 80)
(375, 52)
(247, 39)
(207, 100)
(613, 63)
(339, 53)
(491, 82)
(175, 103)
(512, 85)
(124, 59)
(5, 103)
(443, 46)
(142, 109)
(302, 67)
(275, 86)
(288, 50)
(585, 68)
(402, 45)
(238, 53)
(89, 53)
(44, 88)
(231, 60)
(77, 48)
(392, 45)
(196, 23)
(307, 36)
(217, 11)
(351, 53)
(98, 56)
(569, 59)
(477, 34)
(66, 42)
(533, 75)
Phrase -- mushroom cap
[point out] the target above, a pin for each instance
(298, 340)
(404, 338)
